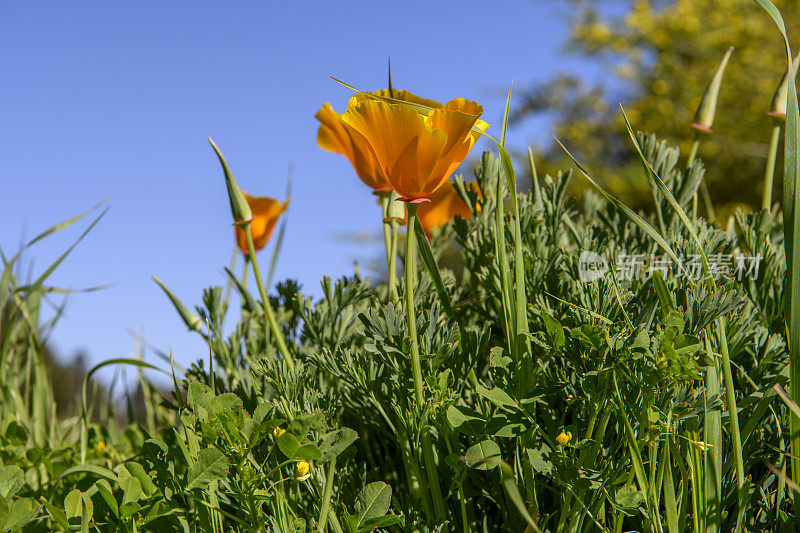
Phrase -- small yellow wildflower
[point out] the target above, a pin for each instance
(278, 431)
(100, 446)
(564, 438)
(301, 470)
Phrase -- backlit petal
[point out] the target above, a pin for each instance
(266, 212)
(334, 137)
(407, 149)
(456, 119)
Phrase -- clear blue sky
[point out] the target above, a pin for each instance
(117, 98)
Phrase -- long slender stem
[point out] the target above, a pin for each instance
(692, 155)
(693, 151)
(462, 500)
(389, 239)
(416, 368)
(394, 226)
(733, 415)
(769, 174)
(326, 496)
(713, 437)
(411, 317)
(273, 323)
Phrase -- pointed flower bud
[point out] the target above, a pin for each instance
(778, 108)
(191, 320)
(240, 209)
(704, 118)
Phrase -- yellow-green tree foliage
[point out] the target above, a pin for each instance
(656, 58)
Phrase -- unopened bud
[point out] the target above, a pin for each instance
(704, 118)
(240, 209)
(778, 108)
(191, 320)
(249, 302)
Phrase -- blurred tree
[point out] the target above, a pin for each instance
(657, 57)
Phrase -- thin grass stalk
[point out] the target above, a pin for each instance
(692, 155)
(713, 437)
(670, 503)
(769, 173)
(271, 320)
(707, 203)
(791, 227)
(733, 414)
(502, 263)
(417, 484)
(695, 463)
(416, 366)
(326, 496)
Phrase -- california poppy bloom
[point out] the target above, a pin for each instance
(265, 215)
(334, 136)
(443, 207)
(415, 153)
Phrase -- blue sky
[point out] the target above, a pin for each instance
(117, 98)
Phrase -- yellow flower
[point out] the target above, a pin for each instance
(265, 215)
(334, 136)
(443, 207)
(415, 153)
(301, 470)
(100, 446)
(564, 438)
(278, 431)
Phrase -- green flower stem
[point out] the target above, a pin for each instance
(416, 366)
(416, 483)
(692, 156)
(693, 151)
(273, 323)
(462, 500)
(390, 241)
(326, 496)
(393, 260)
(713, 437)
(410, 267)
(733, 414)
(244, 271)
(387, 240)
(769, 174)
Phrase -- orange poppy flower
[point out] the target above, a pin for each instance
(335, 137)
(415, 153)
(443, 207)
(265, 215)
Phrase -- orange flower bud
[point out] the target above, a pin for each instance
(265, 214)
